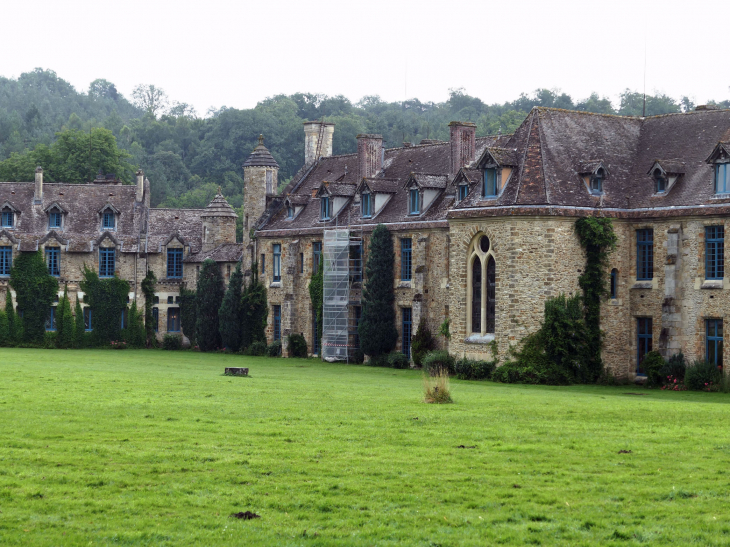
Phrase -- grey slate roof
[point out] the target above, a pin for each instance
(260, 157)
(228, 252)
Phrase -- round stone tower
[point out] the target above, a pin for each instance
(260, 182)
(219, 223)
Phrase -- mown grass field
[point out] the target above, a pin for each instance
(159, 448)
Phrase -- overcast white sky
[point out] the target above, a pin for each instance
(218, 52)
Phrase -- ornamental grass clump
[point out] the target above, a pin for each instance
(436, 388)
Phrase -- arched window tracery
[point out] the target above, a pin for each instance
(482, 275)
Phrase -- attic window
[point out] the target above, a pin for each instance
(366, 205)
(54, 218)
(324, 208)
(108, 221)
(722, 178)
(413, 205)
(490, 182)
(597, 181)
(8, 218)
(463, 191)
(289, 212)
(660, 181)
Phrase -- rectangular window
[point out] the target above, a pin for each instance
(413, 205)
(6, 260)
(645, 254)
(54, 220)
(175, 263)
(277, 322)
(407, 334)
(106, 262)
(316, 255)
(405, 259)
(277, 262)
(87, 319)
(356, 263)
(263, 263)
(366, 206)
(714, 252)
(614, 282)
(490, 182)
(463, 191)
(722, 178)
(644, 342)
(7, 218)
(156, 319)
(51, 319)
(301, 263)
(324, 208)
(53, 261)
(713, 344)
(173, 319)
(108, 222)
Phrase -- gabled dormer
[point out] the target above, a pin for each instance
(720, 160)
(464, 183)
(423, 189)
(594, 173)
(293, 205)
(9, 215)
(109, 216)
(333, 197)
(374, 194)
(664, 174)
(496, 165)
(56, 215)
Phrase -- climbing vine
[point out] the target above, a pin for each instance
(148, 290)
(598, 238)
(35, 291)
(106, 298)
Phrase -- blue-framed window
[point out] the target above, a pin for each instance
(106, 262)
(356, 263)
(324, 208)
(6, 260)
(277, 261)
(315, 333)
(405, 259)
(54, 218)
(175, 263)
(660, 181)
(51, 319)
(277, 322)
(173, 319)
(722, 178)
(490, 182)
(88, 327)
(407, 329)
(53, 261)
(8, 218)
(645, 254)
(289, 212)
(614, 283)
(414, 206)
(714, 252)
(156, 319)
(108, 220)
(713, 344)
(463, 191)
(366, 206)
(316, 255)
(597, 182)
(644, 342)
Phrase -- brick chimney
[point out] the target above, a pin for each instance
(140, 184)
(38, 195)
(312, 133)
(463, 144)
(369, 155)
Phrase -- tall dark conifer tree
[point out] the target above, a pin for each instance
(255, 310)
(230, 316)
(378, 334)
(209, 297)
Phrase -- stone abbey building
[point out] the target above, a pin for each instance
(483, 231)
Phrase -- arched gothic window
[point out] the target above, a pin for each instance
(482, 285)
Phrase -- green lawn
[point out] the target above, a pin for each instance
(159, 448)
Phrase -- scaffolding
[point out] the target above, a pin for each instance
(342, 253)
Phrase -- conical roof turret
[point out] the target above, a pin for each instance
(261, 157)
(219, 207)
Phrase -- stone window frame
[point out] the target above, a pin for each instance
(474, 252)
(716, 176)
(706, 248)
(56, 210)
(8, 213)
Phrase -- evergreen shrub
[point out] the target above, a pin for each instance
(148, 290)
(438, 361)
(654, 365)
(35, 291)
(50, 340)
(316, 296)
(472, 369)
(172, 342)
(422, 342)
(14, 327)
(274, 349)
(79, 327)
(230, 316)
(107, 298)
(256, 349)
(255, 310)
(4, 329)
(676, 367)
(297, 345)
(208, 298)
(64, 322)
(396, 359)
(702, 376)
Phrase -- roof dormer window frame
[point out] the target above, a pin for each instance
(108, 219)
(722, 177)
(8, 217)
(463, 191)
(661, 181)
(596, 181)
(55, 218)
(490, 181)
(366, 205)
(325, 208)
(414, 201)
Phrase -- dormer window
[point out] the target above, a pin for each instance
(597, 181)
(324, 208)
(413, 205)
(463, 191)
(108, 221)
(490, 182)
(55, 218)
(8, 218)
(289, 212)
(366, 205)
(722, 178)
(660, 181)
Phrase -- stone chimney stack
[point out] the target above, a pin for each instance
(38, 196)
(369, 155)
(313, 131)
(463, 144)
(140, 185)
